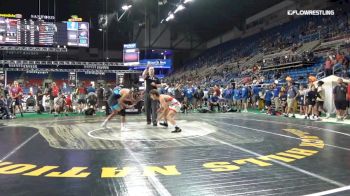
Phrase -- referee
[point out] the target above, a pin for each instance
(151, 106)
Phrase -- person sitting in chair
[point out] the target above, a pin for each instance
(59, 102)
(214, 101)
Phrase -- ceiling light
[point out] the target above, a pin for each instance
(170, 17)
(187, 1)
(179, 8)
(126, 7)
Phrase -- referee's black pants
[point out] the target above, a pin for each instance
(151, 107)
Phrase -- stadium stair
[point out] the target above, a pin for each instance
(252, 61)
(309, 46)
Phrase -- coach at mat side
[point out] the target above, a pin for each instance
(151, 106)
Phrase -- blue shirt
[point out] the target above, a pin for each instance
(237, 94)
(244, 92)
(256, 90)
(214, 99)
(65, 90)
(276, 91)
(189, 92)
(268, 95)
(162, 91)
(90, 90)
(228, 93)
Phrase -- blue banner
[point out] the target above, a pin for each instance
(156, 63)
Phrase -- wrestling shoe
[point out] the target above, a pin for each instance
(124, 129)
(164, 124)
(104, 125)
(177, 130)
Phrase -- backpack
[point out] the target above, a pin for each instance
(30, 101)
(89, 112)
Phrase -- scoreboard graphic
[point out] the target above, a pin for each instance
(43, 33)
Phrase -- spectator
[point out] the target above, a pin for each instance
(292, 94)
(179, 95)
(255, 95)
(81, 92)
(244, 96)
(59, 102)
(16, 93)
(301, 101)
(346, 67)
(198, 95)
(39, 100)
(100, 96)
(92, 100)
(237, 98)
(310, 101)
(91, 89)
(311, 78)
(340, 99)
(283, 100)
(69, 104)
(3, 104)
(214, 101)
(65, 89)
(107, 92)
(268, 98)
(320, 100)
(288, 78)
(328, 67)
(276, 92)
(189, 93)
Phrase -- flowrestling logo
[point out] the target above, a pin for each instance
(310, 12)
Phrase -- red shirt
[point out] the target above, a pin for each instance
(217, 92)
(81, 91)
(55, 91)
(16, 92)
(68, 101)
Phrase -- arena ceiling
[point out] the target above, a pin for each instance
(204, 18)
(210, 18)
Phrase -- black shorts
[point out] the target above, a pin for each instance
(341, 105)
(268, 103)
(17, 102)
(312, 103)
(320, 102)
(92, 102)
(122, 112)
(81, 101)
(180, 99)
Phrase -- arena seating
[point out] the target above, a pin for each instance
(303, 35)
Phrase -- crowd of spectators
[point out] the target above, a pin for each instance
(286, 37)
(273, 99)
(53, 99)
